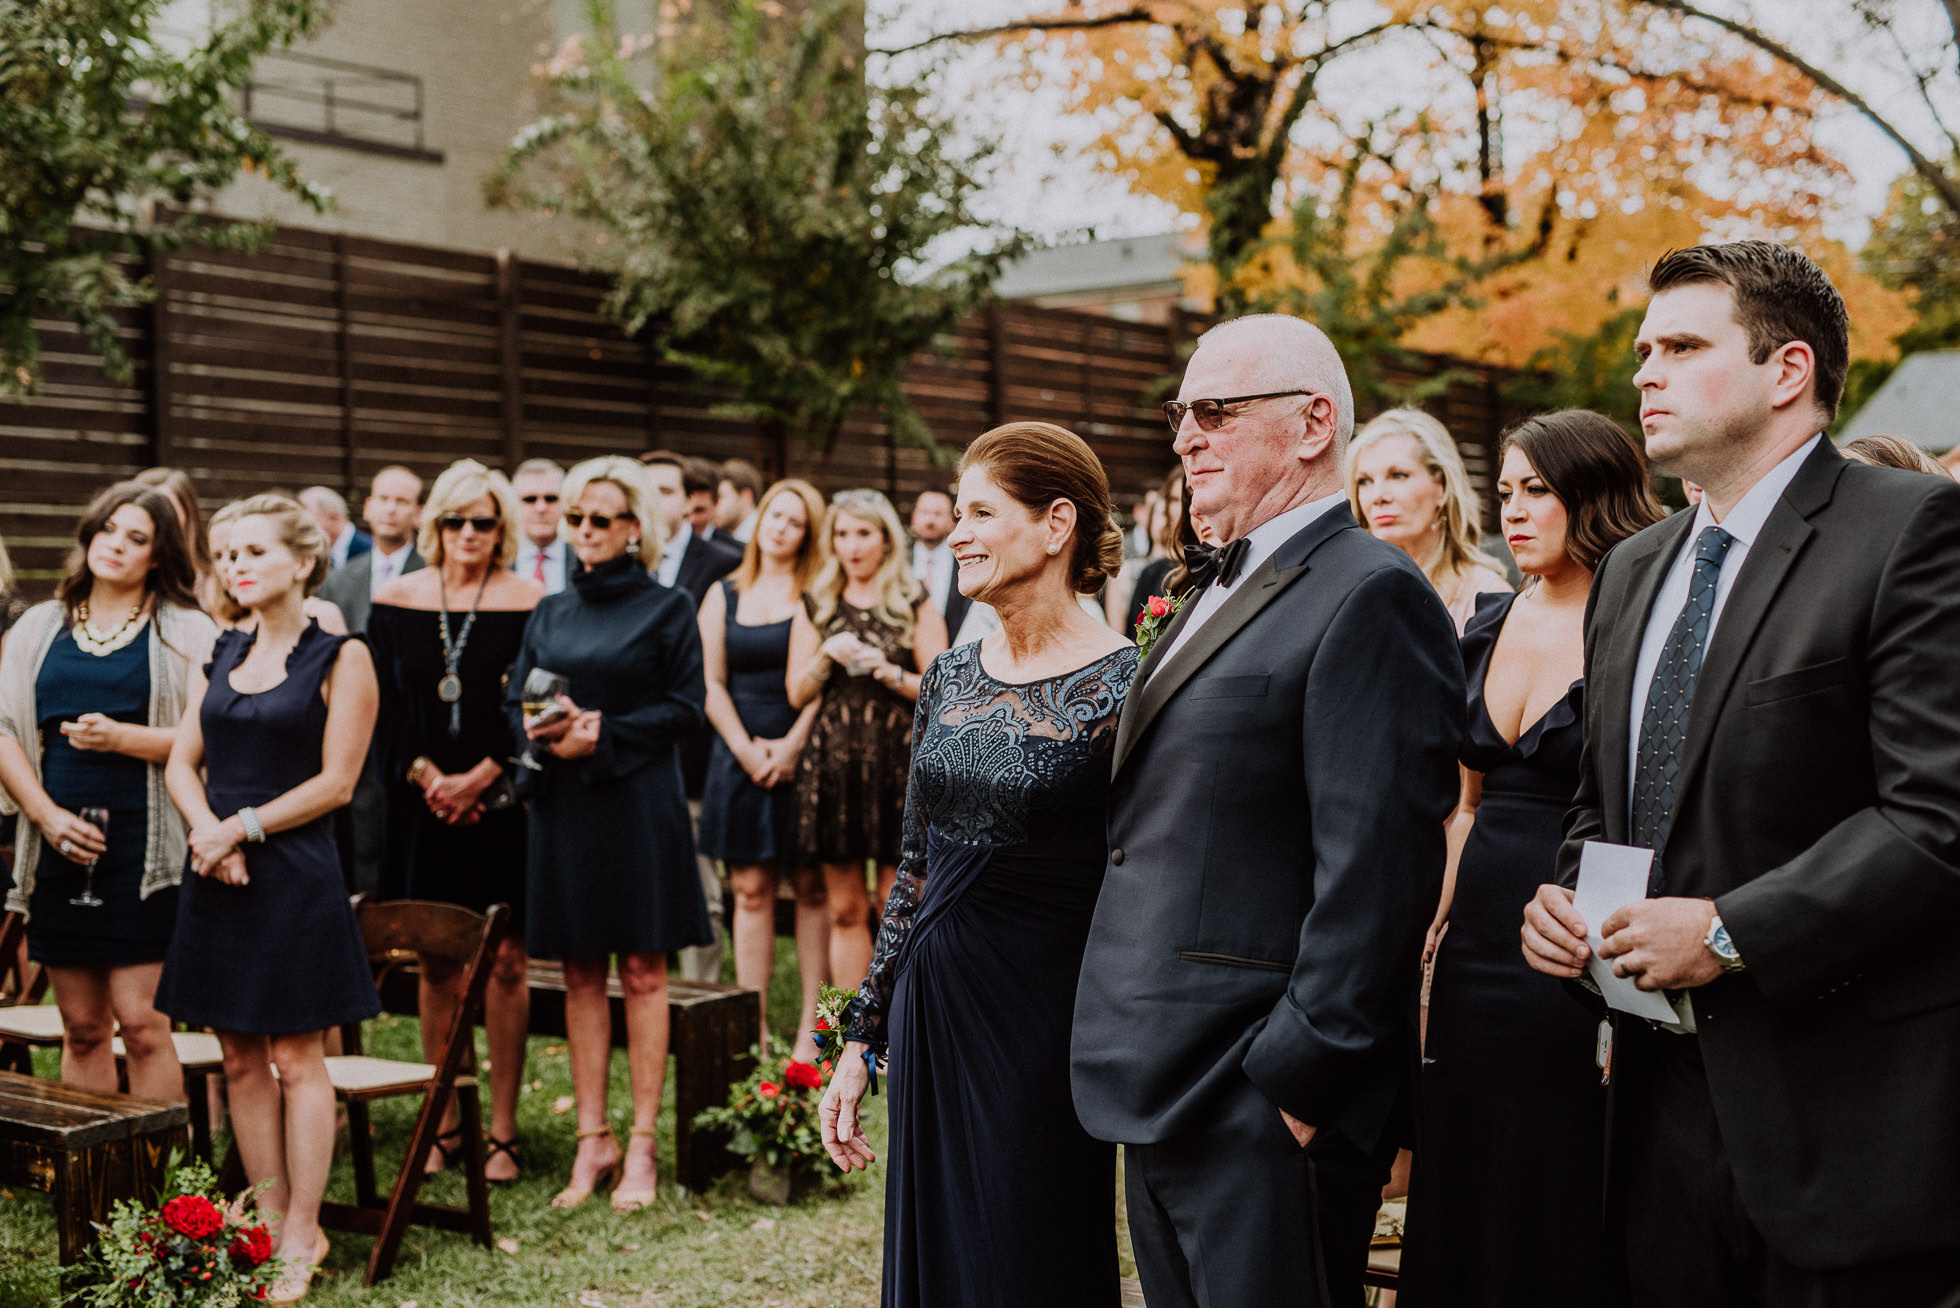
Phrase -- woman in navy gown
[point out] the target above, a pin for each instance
(1505, 1200)
(748, 806)
(266, 950)
(612, 869)
(91, 688)
(997, 1197)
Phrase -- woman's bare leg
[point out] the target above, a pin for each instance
(812, 954)
(258, 1120)
(88, 1026)
(588, 1037)
(154, 1072)
(643, 980)
(754, 885)
(850, 916)
(507, 1025)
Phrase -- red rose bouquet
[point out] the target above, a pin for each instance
(772, 1116)
(189, 1250)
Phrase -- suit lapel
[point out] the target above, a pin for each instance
(1647, 560)
(1770, 559)
(1162, 676)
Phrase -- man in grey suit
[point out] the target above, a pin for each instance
(393, 511)
(1246, 1018)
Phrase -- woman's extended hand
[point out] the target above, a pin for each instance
(94, 731)
(73, 839)
(843, 1132)
(580, 738)
(211, 842)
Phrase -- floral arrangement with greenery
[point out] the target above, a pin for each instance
(832, 1001)
(189, 1250)
(772, 1116)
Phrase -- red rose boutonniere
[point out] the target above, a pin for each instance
(1154, 617)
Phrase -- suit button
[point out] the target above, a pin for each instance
(1116, 857)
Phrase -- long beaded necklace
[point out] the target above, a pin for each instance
(103, 646)
(450, 689)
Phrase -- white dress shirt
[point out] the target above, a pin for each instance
(554, 564)
(1744, 523)
(1261, 542)
(933, 565)
(337, 555)
(387, 567)
(745, 530)
(670, 557)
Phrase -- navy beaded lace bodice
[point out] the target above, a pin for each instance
(995, 765)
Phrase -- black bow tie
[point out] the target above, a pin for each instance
(1206, 565)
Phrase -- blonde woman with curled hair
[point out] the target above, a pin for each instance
(444, 637)
(611, 869)
(266, 950)
(866, 614)
(1407, 486)
(223, 606)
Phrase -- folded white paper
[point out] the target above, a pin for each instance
(1611, 876)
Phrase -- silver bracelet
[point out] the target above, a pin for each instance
(254, 832)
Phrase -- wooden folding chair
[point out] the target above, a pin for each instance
(395, 933)
(25, 1021)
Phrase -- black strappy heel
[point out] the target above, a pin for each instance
(450, 1152)
(492, 1147)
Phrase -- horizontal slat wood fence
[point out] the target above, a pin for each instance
(326, 357)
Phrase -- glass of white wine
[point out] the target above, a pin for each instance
(542, 687)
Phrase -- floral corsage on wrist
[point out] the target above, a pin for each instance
(1155, 615)
(832, 1003)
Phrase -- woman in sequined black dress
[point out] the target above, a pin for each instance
(997, 1196)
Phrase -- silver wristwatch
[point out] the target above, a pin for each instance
(1718, 943)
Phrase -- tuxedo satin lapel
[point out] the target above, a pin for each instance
(1612, 680)
(1265, 585)
(1126, 721)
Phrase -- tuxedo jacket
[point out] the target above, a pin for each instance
(704, 563)
(1818, 805)
(350, 588)
(1276, 850)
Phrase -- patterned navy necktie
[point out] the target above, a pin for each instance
(1664, 723)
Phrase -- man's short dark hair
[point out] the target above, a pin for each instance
(933, 490)
(1780, 296)
(700, 476)
(743, 476)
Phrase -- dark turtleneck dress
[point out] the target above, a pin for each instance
(611, 867)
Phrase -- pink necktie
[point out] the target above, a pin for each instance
(538, 572)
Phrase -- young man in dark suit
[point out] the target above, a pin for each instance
(1773, 708)
(1246, 1018)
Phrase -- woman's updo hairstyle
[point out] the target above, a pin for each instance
(1038, 463)
(297, 532)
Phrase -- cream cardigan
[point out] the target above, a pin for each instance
(179, 639)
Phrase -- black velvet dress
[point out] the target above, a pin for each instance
(740, 821)
(612, 867)
(474, 866)
(1505, 1198)
(996, 1197)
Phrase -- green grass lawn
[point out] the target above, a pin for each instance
(687, 1251)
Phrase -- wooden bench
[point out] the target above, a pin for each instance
(711, 1028)
(85, 1149)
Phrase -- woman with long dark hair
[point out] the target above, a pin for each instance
(1504, 1206)
(92, 684)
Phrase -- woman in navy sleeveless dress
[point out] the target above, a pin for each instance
(266, 949)
(996, 1195)
(750, 825)
(1505, 1203)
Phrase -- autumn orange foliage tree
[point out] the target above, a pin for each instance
(1485, 180)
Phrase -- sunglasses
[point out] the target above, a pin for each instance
(456, 522)
(1211, 414)
(533, 499)
(600, 521)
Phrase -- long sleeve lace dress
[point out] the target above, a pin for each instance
(996, 1195)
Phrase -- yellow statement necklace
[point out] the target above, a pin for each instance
(102, 646)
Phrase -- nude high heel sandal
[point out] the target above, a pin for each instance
(572, 1196)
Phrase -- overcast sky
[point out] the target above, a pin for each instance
(1046, 185)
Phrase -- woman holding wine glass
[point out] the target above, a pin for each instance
(91, 686)
(444, 637)
(867, 614)
(266, 951)
(612, 868)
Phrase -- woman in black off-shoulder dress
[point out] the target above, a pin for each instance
(996, 1195)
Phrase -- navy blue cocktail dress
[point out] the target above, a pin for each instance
(996, 1197)
(740, 821)
(280, 954)
(1505, 1202)
(126, 929)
